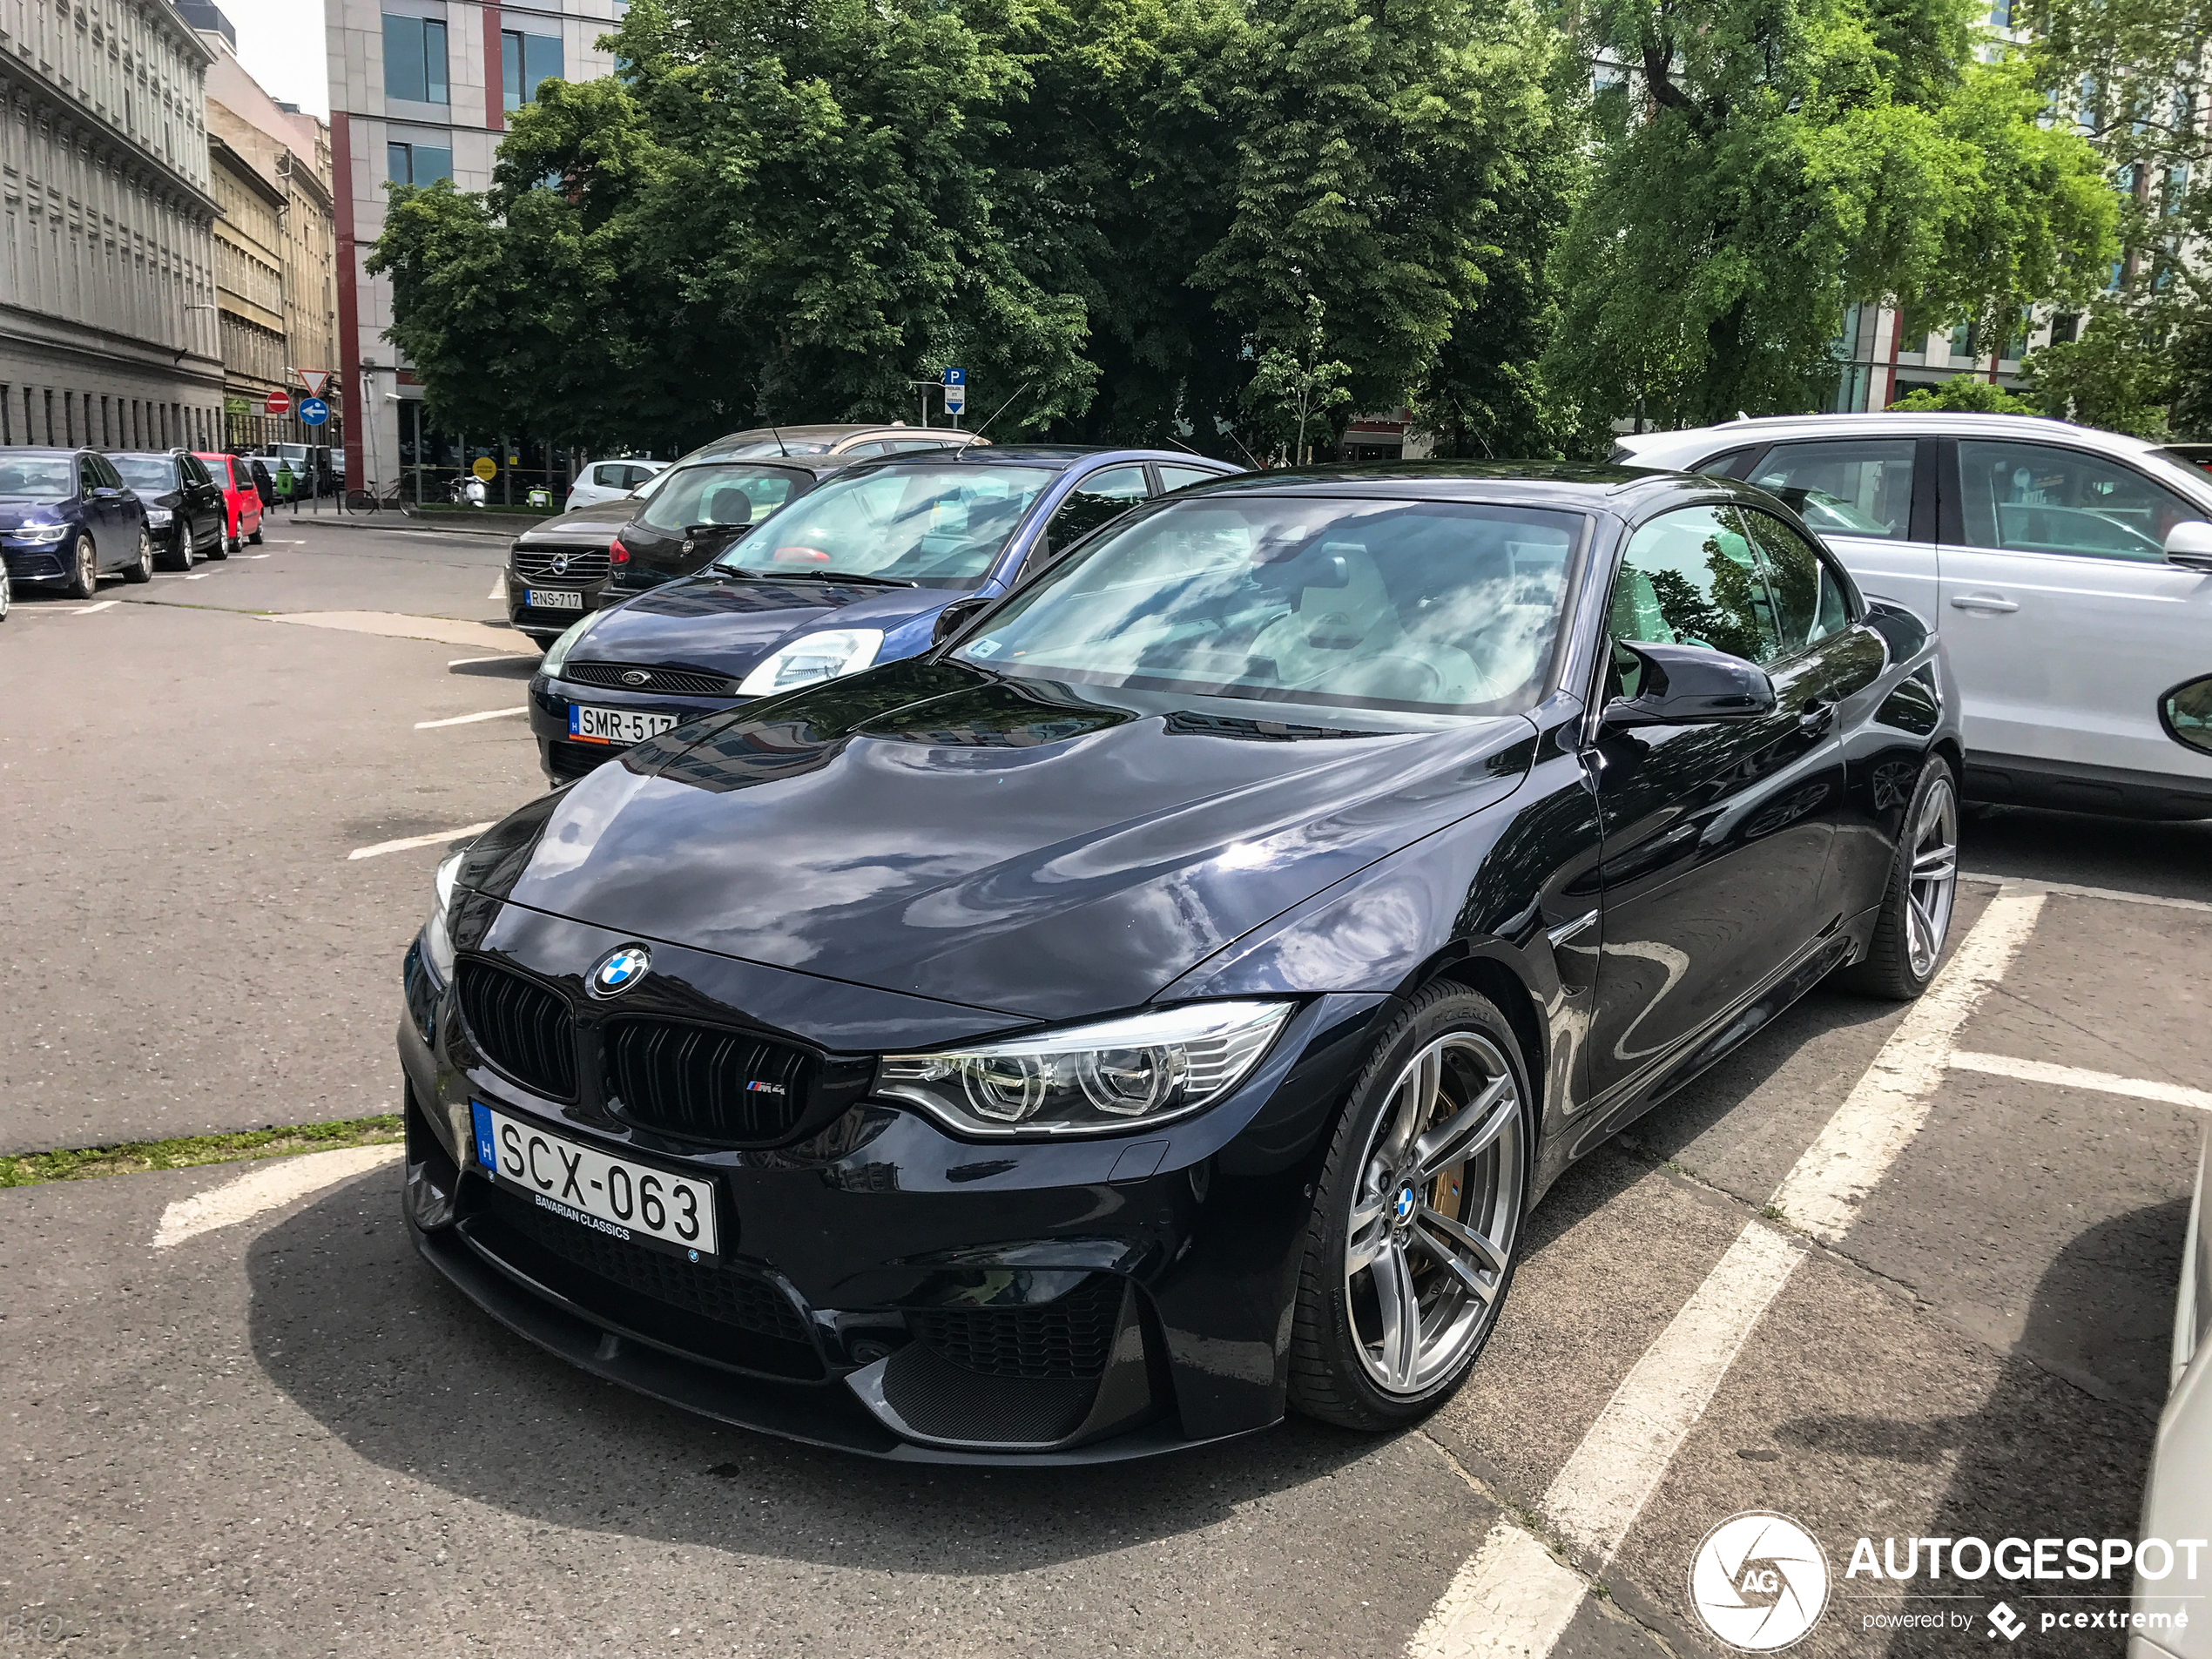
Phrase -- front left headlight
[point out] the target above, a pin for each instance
(158, 517)
(40, 532)
(557, 654)
(438, 936)
(1103, 1079)
(818, 657)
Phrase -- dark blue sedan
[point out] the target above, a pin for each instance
(66, 518)
(853, 573)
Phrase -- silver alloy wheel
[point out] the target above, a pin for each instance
(1933, 880)
(1436, 1214)
(88, 565)
(144, 566)
(7, 593)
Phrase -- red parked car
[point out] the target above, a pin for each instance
(241, 500)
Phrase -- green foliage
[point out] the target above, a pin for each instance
(185, 1151)
(2117, 375)
(1966, 394)
(1786, 159)
(1291, 389)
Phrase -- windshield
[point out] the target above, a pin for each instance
(715, 493)
(1427, 606)
(937, 525)
(156, 473)
(39, 477)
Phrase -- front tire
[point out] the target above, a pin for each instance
(1914, 922)
(256, 537)
(7, 593)
(85, 574)
(224, 542)
(177, 555)
(1417, 1216)
(141, 569)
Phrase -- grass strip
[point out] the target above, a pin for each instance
(184, 1151)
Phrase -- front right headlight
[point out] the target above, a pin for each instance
(437, 934)
(40, 532)
(1108, 1078)
(158, 517)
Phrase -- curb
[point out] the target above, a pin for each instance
(417, 524)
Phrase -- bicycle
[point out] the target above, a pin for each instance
(369, 500)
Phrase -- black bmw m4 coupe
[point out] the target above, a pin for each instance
(1158, 1005)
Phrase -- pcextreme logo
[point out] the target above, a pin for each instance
(1759, 1582)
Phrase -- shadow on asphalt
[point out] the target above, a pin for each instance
(2053, 1452)
(2173, 860)
(496, 668)
(369, 1340)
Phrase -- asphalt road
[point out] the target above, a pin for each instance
(285, 1435)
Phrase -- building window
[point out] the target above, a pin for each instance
(417, 164)
(415, 59)
(2000, 14)
(524, 61)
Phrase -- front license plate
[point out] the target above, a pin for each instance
(592, 724)
(553, 599)
(633, 1202)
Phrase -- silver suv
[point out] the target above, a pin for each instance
(2069, 571)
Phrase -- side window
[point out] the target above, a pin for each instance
(1690, 577)
(2040, 498)
(1862, 487)
(1809, 602)
(2187, 712)
(861, 451)
(197, 472)
(1101, 497)
(906, 445)
(1177, 477)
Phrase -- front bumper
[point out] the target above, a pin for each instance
(36, 561)
(542, 622)
(565, 758)
(892, 1289)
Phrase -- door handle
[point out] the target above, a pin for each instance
(1816, 718)
(1995, 601)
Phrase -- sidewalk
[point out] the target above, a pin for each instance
(503, 525)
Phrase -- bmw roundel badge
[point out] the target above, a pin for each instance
(619, 970)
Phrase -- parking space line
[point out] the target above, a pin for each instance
(2039, 1071)
(1500, 1605)
(94, 609)
(263, 1189)
(410, 841)
(2024, 885)
(465, 719)
(503, 657)
(498, 587)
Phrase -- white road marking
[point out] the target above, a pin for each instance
(466, 719)
(251, 555)
(91, 611)
(412, 841)
(505, 656)
(1512, 1600)
(1890, 1102)
(498, 587)
(199, 575)
(2020, 883)
(276, 1183)
(2039, 1071)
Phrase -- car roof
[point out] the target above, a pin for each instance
(1057, 456)
(41, 450)
(1575, 486)
(1897, 423)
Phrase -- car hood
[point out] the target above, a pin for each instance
(726, 624)
(15, 514)
(1030, 849)
(594, 524)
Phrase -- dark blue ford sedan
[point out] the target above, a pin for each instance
(66, 518)
(853, 573)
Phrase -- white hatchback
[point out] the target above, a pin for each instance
(609, 481)
(2069, 571)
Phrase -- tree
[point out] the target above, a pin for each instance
(1766, 162)
(1371, 143)
(1293, 389)
(2116, 374)
(1966, 394)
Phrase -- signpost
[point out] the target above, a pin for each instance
(955, 393)
(313, 410)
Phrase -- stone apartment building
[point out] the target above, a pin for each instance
(420, 91)
(108, 332)
(275, 242)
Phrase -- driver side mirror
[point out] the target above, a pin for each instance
(954, 617)
(2190, 545)
(1690, 685)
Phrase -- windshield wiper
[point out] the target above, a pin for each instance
(817, 575)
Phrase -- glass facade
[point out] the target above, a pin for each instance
(524, 61)
(415, 59)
